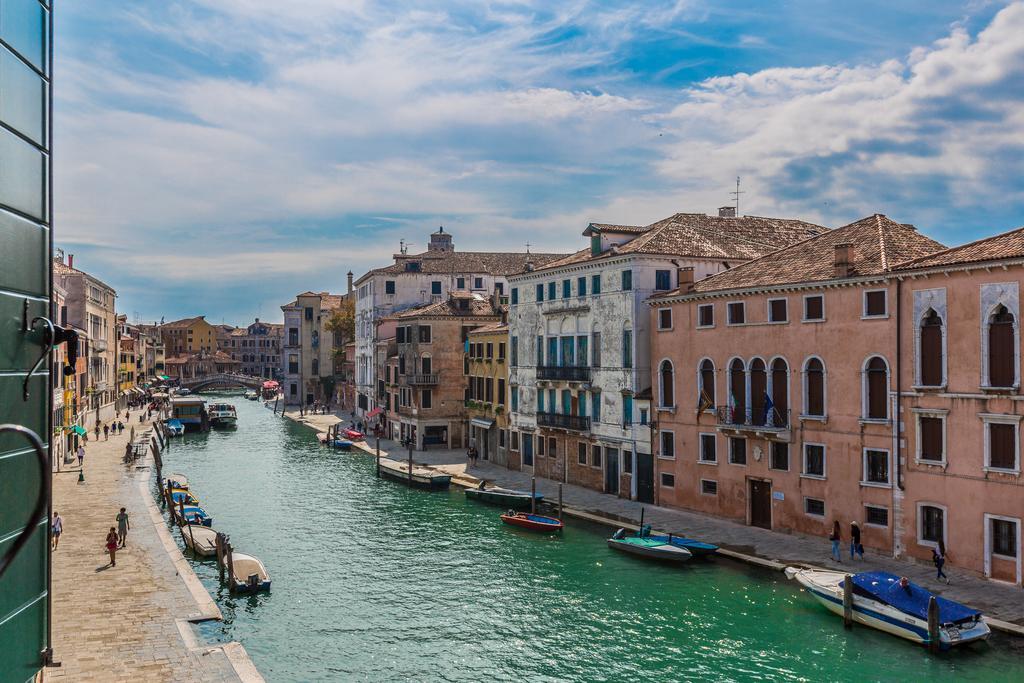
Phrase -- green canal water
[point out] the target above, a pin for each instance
(374, 581)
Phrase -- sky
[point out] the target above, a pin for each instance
(216, 157)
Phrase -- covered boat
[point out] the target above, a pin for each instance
(532, 522)
(508, 498)
(193, 514)
(175, 427)
(222, 415)
(178, 481)
(353, 434)
(646, 546)
(202, 540)
(183, 496)
(895, 605)
(419, 477)
(248, 574)
(696, 548)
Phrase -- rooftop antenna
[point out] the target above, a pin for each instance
(736, 196)
(402, 247)
(527, 247)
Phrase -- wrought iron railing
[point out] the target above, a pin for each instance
(421, 380)
(571, 373)
(771, 418)
(576, 423)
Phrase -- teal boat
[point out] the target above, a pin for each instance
(650, 548)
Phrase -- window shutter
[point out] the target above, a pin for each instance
(815, 388)
(931, 351)
(931, 438)
(1002, 444)
(1000, 350)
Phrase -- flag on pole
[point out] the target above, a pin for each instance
(704, 404)
(768, 407)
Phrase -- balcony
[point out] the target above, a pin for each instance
(573, 423)
(776, 424)
(98, 345)
(568, 373)
(421, 380)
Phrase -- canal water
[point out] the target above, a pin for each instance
(373, 581)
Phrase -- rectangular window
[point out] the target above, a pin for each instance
(665, 319)
(515, 399)
(876, 516)
(552, 351)
(308, 314)
(293, 364)
(668, 480)
(435, 287)
(514, 360)
(540, 292)
(627, 280)
(501, 350)
(514, 296)
(581, 286)
(595, 456)
(1002, 446)
(662, 280)
(668, 445)
(814, 506)
(540, 447)
(876, 466)
(595, 345)
(489, 390)
(513, 441)
(478, 283)
(460, 283)
(1004, 537)
(566, 289)
(595, 284)
(814, 460)
(780, 456)
(540, 400)
(552, 446)
(814, 307)
(708, 448)
(540, 351)
(736, 313)
(931, 522)
(874, 304)
(709, 487)
(581, 453)
(706, 315)
(737, 451)
(426, 398)
(643, 416)
(389, 286)
(595, 406)
(502, 439)
(581, 350)
(552, 291)
(490, 350)
(627, 410)
(778, 310)
(627, 459)
(424, 334)
(930, 430)
(627, 348)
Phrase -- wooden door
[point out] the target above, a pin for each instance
(645, 477)
(611, 470)
(760, 503)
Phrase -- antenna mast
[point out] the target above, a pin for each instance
(736, 196)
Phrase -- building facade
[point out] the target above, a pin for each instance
(308, 348)
(486, 365)
(258, 347)
(188, 335)
(419, 279)
(579, 333)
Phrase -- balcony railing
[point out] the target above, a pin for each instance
(570, 373)
(421, 380)
(747, 418)
(575, 423)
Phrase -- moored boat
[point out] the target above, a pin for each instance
(248, 574)
(222, 415)
(251, 395)
(418, 477)
(184, 496)
(696, 548)
(178, 481)
(193, 515)
(532, 522)
(202, 540)
(353, 434)
(651, 548)
(175, 427)
(895, 605)
(509, 498)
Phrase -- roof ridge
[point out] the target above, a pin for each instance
(965, 245)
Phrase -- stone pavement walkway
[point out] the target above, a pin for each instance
(123, 623)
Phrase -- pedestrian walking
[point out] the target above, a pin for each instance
(56, 528)
(855, 545)
(123, 525)
(106, 432)
(81, 454)
(836, 537)
(939, 558)
(111, 546)
(97, 430)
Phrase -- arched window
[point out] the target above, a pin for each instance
(1001, 363)
(738, 391)
(814, 388)
(876, 387)
(779, 415)
(758, 391)
(707, 383)
(931, 350)
(666, 384)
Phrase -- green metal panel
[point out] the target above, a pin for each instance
(25, 246)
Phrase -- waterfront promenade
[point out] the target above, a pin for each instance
(129, 622)
(772, 549)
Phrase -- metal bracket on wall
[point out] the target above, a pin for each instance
(48, 341)
(40, 506)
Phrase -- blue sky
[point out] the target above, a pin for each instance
(217, 157)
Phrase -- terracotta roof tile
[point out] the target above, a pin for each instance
(476, 306)
(501, 264)
(1007, 245)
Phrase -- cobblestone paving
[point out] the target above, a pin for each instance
(119, 623)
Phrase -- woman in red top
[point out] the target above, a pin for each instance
(112, 546)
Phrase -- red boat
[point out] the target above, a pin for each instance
(353, 434)
(532, 522)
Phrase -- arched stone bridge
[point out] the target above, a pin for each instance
(223, 380)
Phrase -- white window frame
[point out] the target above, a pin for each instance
(789, 458)
(991, 300)
(864, 468)
(700, 449)
(706, 327)
(746, 453)
(661, 480)
(928, 412)
(864, 304)
(728, 305)
(768, 311)
(704, 493)
(662, 406)
(920, 524)
(994, 418)
(803, 461)
(661, 435)
(671, 319)
(803, 309)
(989, 554)
(700, 378)
(815, 515)
(888, 516)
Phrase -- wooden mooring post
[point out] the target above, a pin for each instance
(533, 495)
(410, 462)
(559, 501)
(848, 601)
(934, 640)
(228, 552)
(220, 555)
(641, 531)
(378, 456)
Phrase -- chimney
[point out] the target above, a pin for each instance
(529, 266)
(684, 278)
(257, 319)
(844, 260)
(350, 282)
(727, 212)
(71, 260)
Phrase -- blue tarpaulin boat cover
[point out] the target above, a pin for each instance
(913, 600)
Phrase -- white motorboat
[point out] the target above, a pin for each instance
(249, 574)
(202, 540)
(178, 481)
(222, 415)
(888, 603)
(418, 477)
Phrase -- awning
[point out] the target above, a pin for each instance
(164, 377)
(375, 412)
(159, 394)
(78, 429)
(479, 422)
(270, 384)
